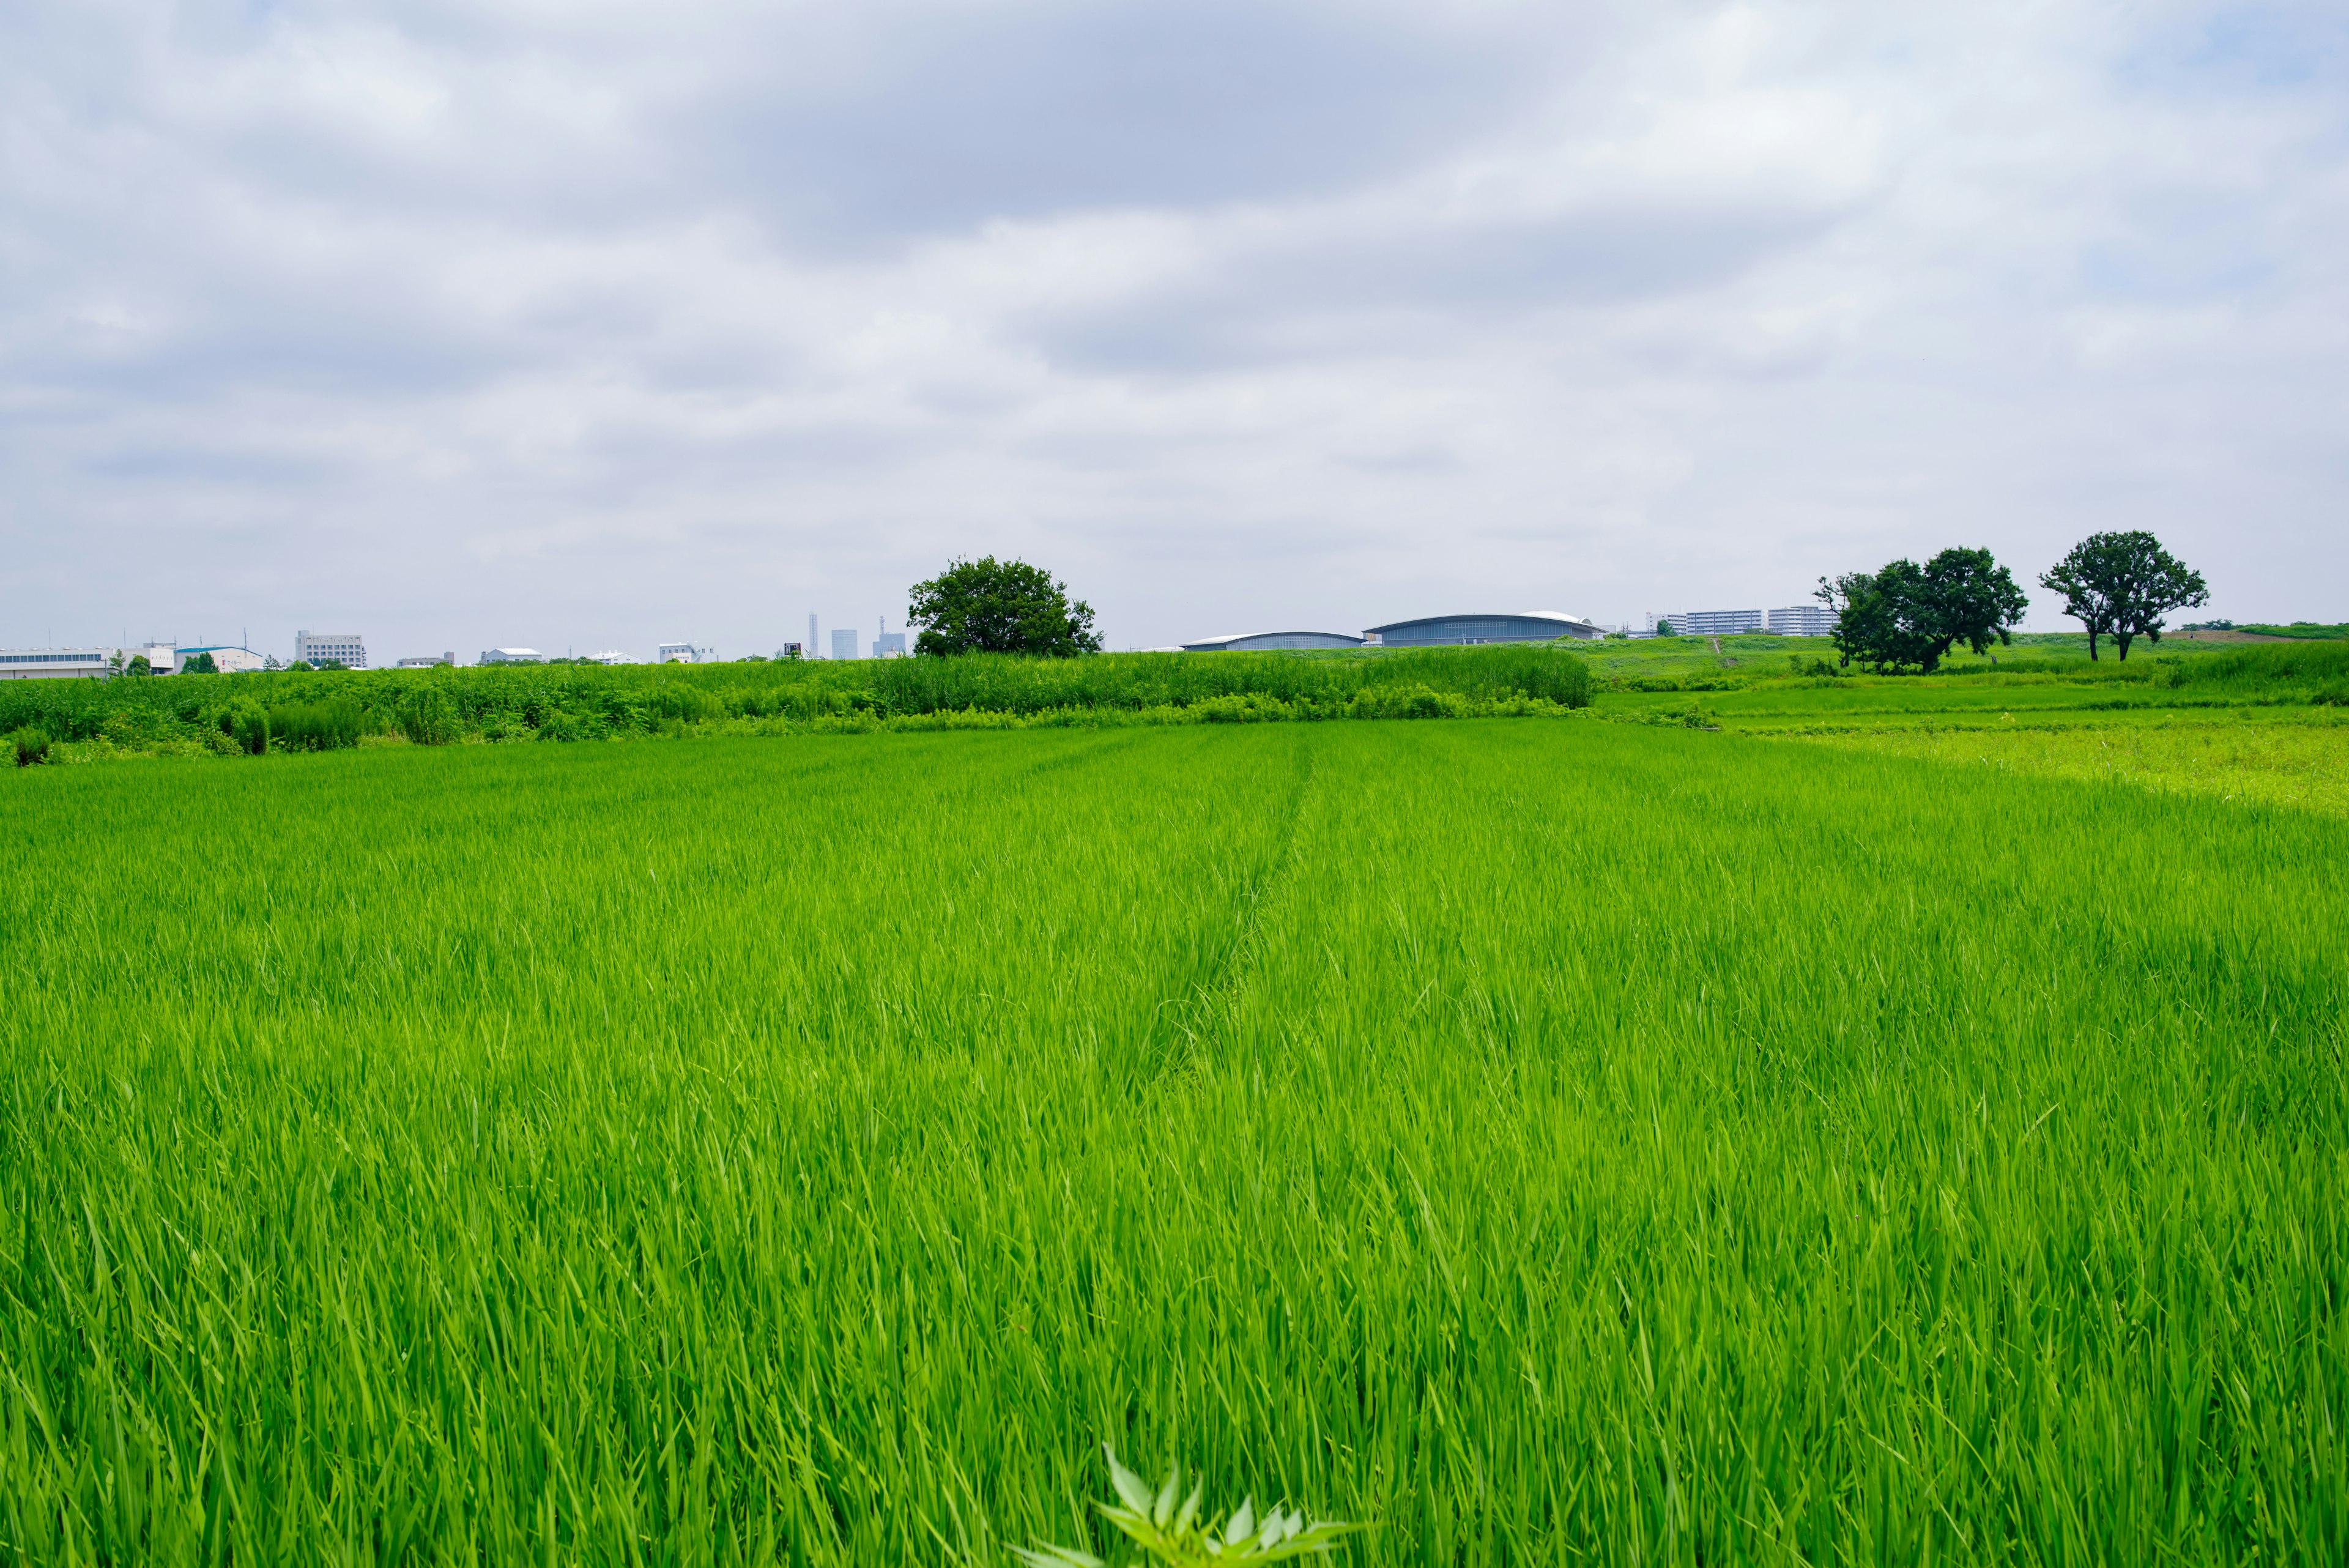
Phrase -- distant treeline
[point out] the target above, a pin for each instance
(304, 710)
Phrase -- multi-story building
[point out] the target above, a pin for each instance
(889, 644)
(1715, 623)
(843, 642)
(342, 646)
(683, 653)
(1802, 620)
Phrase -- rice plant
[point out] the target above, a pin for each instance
(1552, 1142)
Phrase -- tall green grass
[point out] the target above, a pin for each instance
(1543, 1143)
(574, 703)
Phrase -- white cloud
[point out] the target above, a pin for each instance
(585, 325)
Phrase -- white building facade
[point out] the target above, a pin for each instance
(1802, 620)
(346, 647)
(51, 663)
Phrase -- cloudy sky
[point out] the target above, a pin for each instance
(584, 323)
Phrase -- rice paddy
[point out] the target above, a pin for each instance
(1540, 1141)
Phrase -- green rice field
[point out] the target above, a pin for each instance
(1543, 1141)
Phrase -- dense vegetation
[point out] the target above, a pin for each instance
(1544, 1142)
(313, 710)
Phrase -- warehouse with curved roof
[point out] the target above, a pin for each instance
(1249, 641)
(1456, 630)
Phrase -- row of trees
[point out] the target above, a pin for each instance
(1903, 615)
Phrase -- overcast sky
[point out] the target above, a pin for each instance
(580, 324)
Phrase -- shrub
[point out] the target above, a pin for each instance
(428, 717)
(315, 726)
(247, 724)
(28, 746)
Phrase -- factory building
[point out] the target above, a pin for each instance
(1456, 630)
(1253, 640)
(512, 656)
(49, 663)
(344, 647)
(227, 660)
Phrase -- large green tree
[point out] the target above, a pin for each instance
(2121, 586)
(1904, 614)
(988, 606)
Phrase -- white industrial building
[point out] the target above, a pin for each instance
(50, 663)
(512, 656)
(428, 661)
(226, 659)
(344, 647)
(683, 653)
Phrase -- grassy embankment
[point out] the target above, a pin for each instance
(255, 714)
(1546, 1142)
(2266, 723)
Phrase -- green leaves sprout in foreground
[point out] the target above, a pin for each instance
(1176, 1536)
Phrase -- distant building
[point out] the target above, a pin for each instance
(889, 644)
(843, 642)
(683, 653)
(512, 656)
(1802, 620)
(344, 647)
(40, 663)
(1719, 623)
(1253, 640)
(426, 661)
(224, 659)
(792, 650)
(608, 656)
(1454, 630)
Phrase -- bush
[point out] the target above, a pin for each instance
(246, 723)
(28, 746)
(315, 726)
(428, 717)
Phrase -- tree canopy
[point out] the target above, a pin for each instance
(988, 606)
(1904, 614)
(200, 664)
(2121, 586)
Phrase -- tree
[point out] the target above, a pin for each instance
(199, 664)
(138, 664)
(1905, 614)
(2121, 585)
(1664, 628)
(1000, 607)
